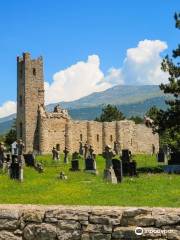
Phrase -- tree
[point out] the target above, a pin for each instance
(10, 137)
(110, 113)
(152, 112)
(136, 119)
(168, 122)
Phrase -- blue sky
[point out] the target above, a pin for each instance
(65, 32)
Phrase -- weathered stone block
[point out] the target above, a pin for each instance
(6, 224)
(40, 232)
(4, 235)
(168, 219)
(132, 212)
(69, 224)
(9, 214)
(100, 236)
(124, 233)
(33, 216)
(140, 220)
(68, 235)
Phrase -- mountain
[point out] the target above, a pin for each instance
(131, 100)
(8, 118)
(118, 95)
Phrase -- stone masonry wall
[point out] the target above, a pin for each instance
(138, 138)
(26, 222)
(144, 139)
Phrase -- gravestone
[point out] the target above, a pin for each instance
(75, 165)
(175, 158)
(86, 150)
(66, 151)
(81, 148)
(39, 167)
(16, 169)
(29, 159)
(109, 173)
(128, 165)
(117, 166)
(90, 165)
(62, 176)
(75, 162)
(6, 162)
(126, 155)
(161, 156)
(133, 168)
(2, 154)
(55, 154)
(14, 150)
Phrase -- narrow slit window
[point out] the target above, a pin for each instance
(34, 72)
(111, 138)
(20, 100)
(58, 147)
(20, 129)
(81, 137)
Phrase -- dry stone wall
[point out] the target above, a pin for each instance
(20, 222)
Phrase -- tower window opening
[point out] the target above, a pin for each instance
(97, 137)
(58, 147)
(20, 129)
(81, 137)
(34, 72)
(21, 73)
(20, 101)
(111, 138)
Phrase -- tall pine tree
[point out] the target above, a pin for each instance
(168, 122)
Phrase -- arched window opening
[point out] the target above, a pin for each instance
(58, 147)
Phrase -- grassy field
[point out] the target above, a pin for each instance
(86, 189)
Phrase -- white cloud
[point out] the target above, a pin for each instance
(114, 76)
(142, 64)
(77, 81)
(7, 109)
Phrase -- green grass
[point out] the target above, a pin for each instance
(86, 189)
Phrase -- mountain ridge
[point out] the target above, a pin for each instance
(131, 100)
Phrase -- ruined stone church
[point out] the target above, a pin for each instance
(41, 130)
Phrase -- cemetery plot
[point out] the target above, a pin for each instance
(82, 188)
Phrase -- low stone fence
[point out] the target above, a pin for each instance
(29, 222)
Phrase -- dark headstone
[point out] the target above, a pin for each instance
(29, 160)
(89, 163)
(16, 170)
(126, 155)
(75, 165)
(132, 169)
(117, 166)
(175, 159)
(125, 168)
(161, 156)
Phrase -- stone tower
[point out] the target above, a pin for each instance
(30, 94)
